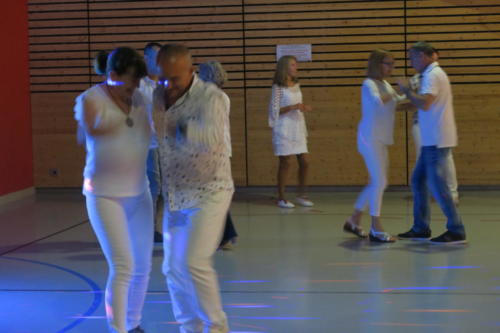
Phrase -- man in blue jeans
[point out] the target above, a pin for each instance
(438, 132)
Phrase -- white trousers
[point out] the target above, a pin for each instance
(377, 162)
(191, 237)
(124, 228)
(449, 167)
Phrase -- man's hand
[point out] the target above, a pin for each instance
(403, 84)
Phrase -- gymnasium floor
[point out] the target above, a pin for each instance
(292, 271)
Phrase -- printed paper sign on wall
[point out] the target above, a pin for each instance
(301, 51)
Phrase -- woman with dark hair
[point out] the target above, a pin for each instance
(212, 71)
(100, 62)
(375, 134)
(286, 118)
(117, 133)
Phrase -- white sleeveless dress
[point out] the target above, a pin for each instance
(289, 129)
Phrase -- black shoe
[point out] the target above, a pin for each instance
(415, 235)
(449, 237)
(158, 237)
(138, 329)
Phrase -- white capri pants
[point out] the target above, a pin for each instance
(124, 228)
(377, 162)
(450, 170)
(191, 237)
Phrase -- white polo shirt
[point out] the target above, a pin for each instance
(437, 125)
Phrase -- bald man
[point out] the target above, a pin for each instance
(192, 123)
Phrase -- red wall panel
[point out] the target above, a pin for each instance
(16, 156)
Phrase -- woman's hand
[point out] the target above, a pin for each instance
(404, 85)
(405, 106)
(304, 107)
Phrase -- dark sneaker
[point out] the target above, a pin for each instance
(415, 235)
(449, 238)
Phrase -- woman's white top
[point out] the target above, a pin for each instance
(289, 129)
(116, 161)
(377, 120)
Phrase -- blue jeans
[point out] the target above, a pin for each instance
(429, 173)
(153, 172)
(154, 177)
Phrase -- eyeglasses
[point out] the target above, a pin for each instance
(391, 64)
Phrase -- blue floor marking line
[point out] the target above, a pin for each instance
(93, 286)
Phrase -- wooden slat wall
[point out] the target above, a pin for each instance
(214, 32)
(60, 70)
(66, 34)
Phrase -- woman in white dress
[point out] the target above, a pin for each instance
(116, 129)
(286, 118)
(375, 134)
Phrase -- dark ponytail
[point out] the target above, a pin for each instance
(100, 62)
(122, 59)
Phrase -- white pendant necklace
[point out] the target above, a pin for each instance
(128, 120)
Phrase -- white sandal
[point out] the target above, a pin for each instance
(305, 202)
(354, 229)
(285, 204)
(381, 237)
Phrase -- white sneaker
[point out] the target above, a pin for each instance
(304, 202)
(285, 204)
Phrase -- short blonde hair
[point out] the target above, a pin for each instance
(374, 68)
(281, 73)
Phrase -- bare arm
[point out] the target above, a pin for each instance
(422, 102)
(405, 105)
(299, 106)
(386, 97)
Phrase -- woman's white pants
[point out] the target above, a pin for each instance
(377, 162)
(124, 228)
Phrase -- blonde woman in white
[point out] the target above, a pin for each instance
(375, 134)
(286, 118)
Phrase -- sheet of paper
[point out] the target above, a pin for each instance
(301, 51)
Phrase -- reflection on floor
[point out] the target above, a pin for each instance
(292, 271)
